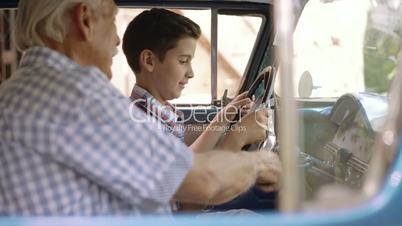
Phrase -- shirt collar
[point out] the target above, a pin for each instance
(140, 93)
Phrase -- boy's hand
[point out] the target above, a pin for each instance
(240, 103)
(249, 129)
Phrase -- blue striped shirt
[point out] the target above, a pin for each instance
(71, 144)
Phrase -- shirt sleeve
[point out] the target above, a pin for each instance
(115, 145)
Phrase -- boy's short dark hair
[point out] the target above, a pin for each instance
(158, 30)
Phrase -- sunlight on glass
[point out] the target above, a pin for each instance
(234, 51)
(328, 44)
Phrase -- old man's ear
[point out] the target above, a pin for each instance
(83, 20)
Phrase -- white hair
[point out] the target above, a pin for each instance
(37, 19)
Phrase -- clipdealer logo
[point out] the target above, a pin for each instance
(198, 120)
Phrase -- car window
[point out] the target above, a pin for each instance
(346, 51)
(344, 46)
(236, 39)
(340, 47)
(235, 45)
(235, 42)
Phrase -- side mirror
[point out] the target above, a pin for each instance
(305, 87)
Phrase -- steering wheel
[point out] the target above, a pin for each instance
(261, 87)
(262, 92)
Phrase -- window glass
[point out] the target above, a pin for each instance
(345, 50)
(236, 39)
(198, 89)
(345, 46)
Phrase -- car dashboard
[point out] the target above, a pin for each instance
(345, 138)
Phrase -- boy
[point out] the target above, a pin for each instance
(159, 46)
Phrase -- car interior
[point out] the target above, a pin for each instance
(337, 127)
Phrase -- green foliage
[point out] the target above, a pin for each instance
(381, 55)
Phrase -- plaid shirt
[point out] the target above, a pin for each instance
(69, 145)
(167, 115)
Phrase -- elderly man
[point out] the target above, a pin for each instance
(68, 145)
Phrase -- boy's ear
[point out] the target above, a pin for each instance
(147, 60)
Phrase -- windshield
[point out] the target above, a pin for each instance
(343, 46)
(346, 52)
